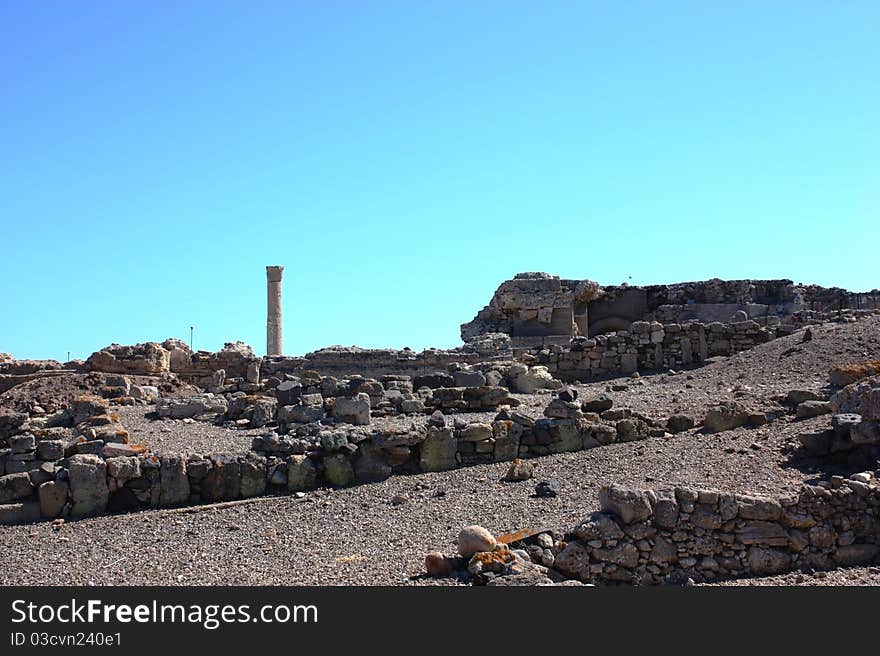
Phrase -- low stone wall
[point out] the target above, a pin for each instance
(352, 401)
(345, 361)
(235, 359)
(648, 346)
(651, 537)
(48, 476)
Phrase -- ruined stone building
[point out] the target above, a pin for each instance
(539, 308)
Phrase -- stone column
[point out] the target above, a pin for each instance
(273, 306)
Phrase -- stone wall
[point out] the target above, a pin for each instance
(235, 358)
(374, 363)
(49, 475)
(650, 537)
(572, 358)
(648, 346)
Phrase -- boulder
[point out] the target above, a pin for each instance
(14, 487)
(253, 475)
(223, 480)
(468, 379)
(844, 423)
(371, 465)
(817, 443)
(599, 403)
(559, 409)
(679, 424)
(53, 496)
(567, 393)
(765, 560)
(846, 374)
(629, 505)
(174, 484)
(88, 485)
(288, 392)
(338, 471)
(866, 432)
(252, 375)
(598, 526)
(22, 443)
(299, 414)
(796, 397)
(301, 474)
(354, 410)
(574, 561)
(435, 380)
(809, 409)
(123, 468)
(533, 379)
(50, 449)
(727, 415)
(861, 397)
(438, 451)
(145, 393)
(476, 432)
(26, 512)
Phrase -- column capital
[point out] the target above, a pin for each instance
(274, 273)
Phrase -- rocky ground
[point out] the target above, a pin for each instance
(53, 393)
(842, 576)
(379, 533)
(171, 436)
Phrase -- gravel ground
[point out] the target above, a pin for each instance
(843, 576)
(177, 436)
(357, 536)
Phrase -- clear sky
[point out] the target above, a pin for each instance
(401, 159)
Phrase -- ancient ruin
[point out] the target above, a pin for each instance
(538, 309)
(730, 429)
(274, 345)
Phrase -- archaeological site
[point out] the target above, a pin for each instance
(720, 432)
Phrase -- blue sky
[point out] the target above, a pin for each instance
(401, 159)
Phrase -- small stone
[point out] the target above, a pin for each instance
(50, 450)
(600, 403)
(22, 443)
(812, 409)
(567, 393)
(519, 470)
(436, 564)
(547, 489)
(679, 423)
(474, 539)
